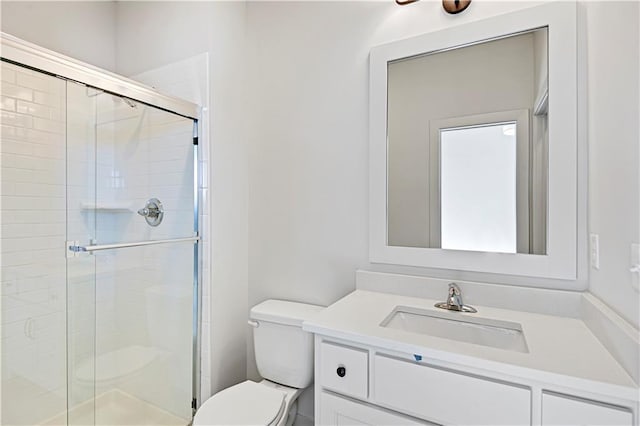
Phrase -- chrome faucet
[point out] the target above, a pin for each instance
(455, 296)
(454, 301)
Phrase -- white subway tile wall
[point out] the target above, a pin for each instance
(32, 149)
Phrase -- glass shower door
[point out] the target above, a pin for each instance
(131, 221)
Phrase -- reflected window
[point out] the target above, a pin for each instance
(478, 184)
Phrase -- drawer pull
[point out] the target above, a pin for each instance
(335, 360)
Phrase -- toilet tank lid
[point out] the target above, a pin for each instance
(284, 312)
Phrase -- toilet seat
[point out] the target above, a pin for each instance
(247, 403)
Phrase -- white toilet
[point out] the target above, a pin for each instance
(284, 355)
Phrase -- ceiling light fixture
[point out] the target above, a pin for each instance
(450, 6)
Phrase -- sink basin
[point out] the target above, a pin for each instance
(457, 326)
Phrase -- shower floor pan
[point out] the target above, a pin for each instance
(114, 408)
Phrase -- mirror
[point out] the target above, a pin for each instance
(467, 147)
(477, 156)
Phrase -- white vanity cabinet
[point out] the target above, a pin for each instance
(363, 385)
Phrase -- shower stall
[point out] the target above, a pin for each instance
(99, 246)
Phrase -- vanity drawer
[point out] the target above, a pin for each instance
(448, 397)
(344, 369)
(567, 410)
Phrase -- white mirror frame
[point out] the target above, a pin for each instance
(561, 260)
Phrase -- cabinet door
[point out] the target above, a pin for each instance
(448, 397)
(565, 410)
(338, 411)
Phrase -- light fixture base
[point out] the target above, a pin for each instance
(455, 6)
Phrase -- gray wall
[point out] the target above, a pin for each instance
(614, 149)
(83, 30)
(489, 77)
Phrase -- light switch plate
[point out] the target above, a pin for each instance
(594, 250)
(634, 264)
(635, 254)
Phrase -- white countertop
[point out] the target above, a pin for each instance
(560, 349)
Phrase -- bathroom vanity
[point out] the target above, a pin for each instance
(379, 360)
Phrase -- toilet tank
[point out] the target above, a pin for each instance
(284, 352)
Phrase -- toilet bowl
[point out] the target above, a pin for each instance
(250, 403)
(284, 356)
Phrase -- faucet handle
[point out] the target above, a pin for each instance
(455, 297)
(454, 300)
(454, 290)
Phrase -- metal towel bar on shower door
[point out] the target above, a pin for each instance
(77, 249)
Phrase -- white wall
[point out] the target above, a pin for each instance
(614, 148)
(152, 34)
(82, 30)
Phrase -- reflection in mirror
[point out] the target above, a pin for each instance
(467, 147)
(477, 188)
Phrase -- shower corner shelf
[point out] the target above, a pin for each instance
(108, 207)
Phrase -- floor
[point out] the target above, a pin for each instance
(117, 408)
(303, 421)
(27, 402)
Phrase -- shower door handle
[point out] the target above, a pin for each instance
(92, 248)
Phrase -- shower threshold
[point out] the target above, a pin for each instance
(116, 407)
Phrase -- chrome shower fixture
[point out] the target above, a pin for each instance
(152, 212)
